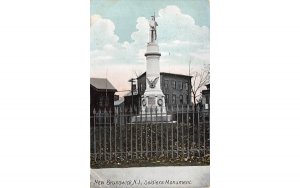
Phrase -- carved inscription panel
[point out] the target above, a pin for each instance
(151, 101)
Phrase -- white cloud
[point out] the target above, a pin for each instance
(179, 38)
(102, 32)
(140, 37)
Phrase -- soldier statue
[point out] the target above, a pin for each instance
(153, 24)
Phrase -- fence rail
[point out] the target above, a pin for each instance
(116, 138)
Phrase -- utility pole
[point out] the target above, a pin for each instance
(190, 67)
(106, 99)
(132, 80)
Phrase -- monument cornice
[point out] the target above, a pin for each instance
(152, 54)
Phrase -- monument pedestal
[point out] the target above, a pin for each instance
(161, 118)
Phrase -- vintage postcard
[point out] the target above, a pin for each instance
(149, 93)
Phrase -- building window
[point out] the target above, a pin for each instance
(180, 99)
(106, 101)
(166, 84)
(167, 98)
(174, 84)
(187, 99)
(133, 87)
(141, 86)
(206, 106)
(207, 99)
(173, 99)
(186, 85)
(180, 85)
(203, 100)
(101, 101)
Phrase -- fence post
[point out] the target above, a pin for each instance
(116, 132)
(193, 144)
(161, 136)
(136, 139)
(208, 130)
(105, 134)
(110, 134)
(204, 136)
(167, 136)
(156, 135)
(126, 121)
(121, 120)
(94, 131)
(188, 131)
(151, 144)
(172, 136)
(198, 125)
(177, 133)
(131, 152)
(142, 132)
(182, 124)
(99, 130)
(146, 133)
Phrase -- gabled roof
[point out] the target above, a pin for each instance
(173, 74)
(102, 83)
(166, 73)
(129, 94)
(118, 102)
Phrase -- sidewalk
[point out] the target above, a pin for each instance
(154, 177)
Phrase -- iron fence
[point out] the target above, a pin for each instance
(119, 137)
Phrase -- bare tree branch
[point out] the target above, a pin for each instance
(200, 79)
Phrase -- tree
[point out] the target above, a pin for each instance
(199, 80)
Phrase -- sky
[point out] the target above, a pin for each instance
(119, 32)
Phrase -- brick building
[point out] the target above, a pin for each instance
(101, 95)
(176, 88)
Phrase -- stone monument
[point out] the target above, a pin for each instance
(153, 100)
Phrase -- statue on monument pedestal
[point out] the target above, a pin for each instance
(153, 99)
(153, 24)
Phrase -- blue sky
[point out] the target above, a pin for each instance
(119, 31)
(124, 13)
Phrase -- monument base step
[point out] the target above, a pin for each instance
(148, 118)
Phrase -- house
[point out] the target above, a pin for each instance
(206, 97)
(101, 95)
(119, 105)
(132, 100)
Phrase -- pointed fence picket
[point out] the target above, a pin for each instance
(116, 137)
